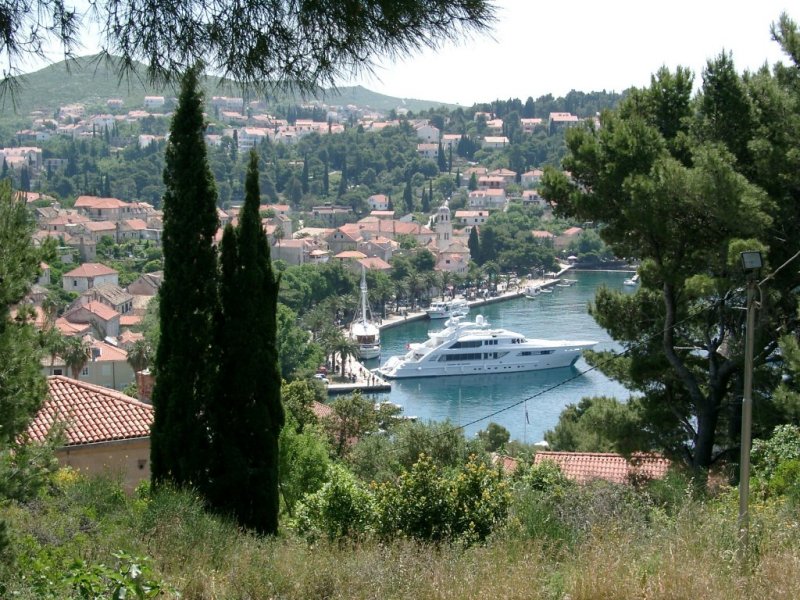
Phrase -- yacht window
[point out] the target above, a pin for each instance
(466, 344)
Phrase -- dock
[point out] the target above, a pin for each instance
(359, 378)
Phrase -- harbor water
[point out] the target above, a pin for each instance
(527, 404)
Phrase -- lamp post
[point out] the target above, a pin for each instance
(751, 263)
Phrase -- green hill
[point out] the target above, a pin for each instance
(92, 82)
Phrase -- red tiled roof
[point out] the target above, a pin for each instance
(96, 202)
(91, 270)
(350, 254)
(321, 410)
(106, 313)
(99, 226)
(129, 320)
(586, 466)
(539, 233)
(375, 262)
(70, 329)
(92, 413)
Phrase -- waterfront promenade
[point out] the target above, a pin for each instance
(359, 378)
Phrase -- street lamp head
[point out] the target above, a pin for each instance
(751, 261)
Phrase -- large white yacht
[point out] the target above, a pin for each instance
(448, 308)
(363, 330)
(465, 348)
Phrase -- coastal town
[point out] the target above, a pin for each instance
(264, 338)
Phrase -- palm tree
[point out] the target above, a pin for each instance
(345, 347)
(50, 307)
(433, 281)
(76, 354)
(328, 339)
(140, 355)
(446, 279)
(415, 284)
(53, 342)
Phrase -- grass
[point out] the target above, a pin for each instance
(610, 543)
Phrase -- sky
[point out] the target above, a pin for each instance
(540, 47)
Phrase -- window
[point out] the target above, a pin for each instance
(58, 371)
(85, 371)
(74, 283)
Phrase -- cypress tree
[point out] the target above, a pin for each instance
(304, 176)
(343, 181)
(325, 177)
(184, 366)
(247, 416)
(408, 198)
(474, 245)
(441, 162)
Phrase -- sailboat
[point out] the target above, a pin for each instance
(363, 330)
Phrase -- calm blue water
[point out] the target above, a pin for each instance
(471, 399)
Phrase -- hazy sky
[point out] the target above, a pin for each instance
(539, 47)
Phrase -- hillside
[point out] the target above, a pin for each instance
(92, 81)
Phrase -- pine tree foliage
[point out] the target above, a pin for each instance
(247, 416)
(301, 43)
(22, 386)
(188, 299)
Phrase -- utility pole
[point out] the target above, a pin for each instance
(751, 263)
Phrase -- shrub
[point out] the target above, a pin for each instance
(782, 446)
(429, 504)
(342, 507)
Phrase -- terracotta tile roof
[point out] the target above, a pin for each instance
(127, 338)
(540, 233)
(96, 202)
(92, 413)
(99, 226)
(105, 312)
(586, 466)
(106, 352)
(91, 270)
(134, 224)
(350, 254)
(375, 262)
(321, 410)
(129, 320)
(70, 329)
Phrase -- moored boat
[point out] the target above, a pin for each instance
(465, 347)
(363, 330)
(448, 308)
(632, 280)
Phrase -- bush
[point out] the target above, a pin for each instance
(342, 507)
(428, 504)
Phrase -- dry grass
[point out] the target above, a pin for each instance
(689, 555)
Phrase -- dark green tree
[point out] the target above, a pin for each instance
(343, 183)
(474, 245)
(441, 161)
(24, 180)
(678, 203)
(304, 176)
(247, 415)
(473, 182)
(184, 366)
(408, 198)
(22, 386)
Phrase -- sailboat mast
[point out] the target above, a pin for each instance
(363, 295)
